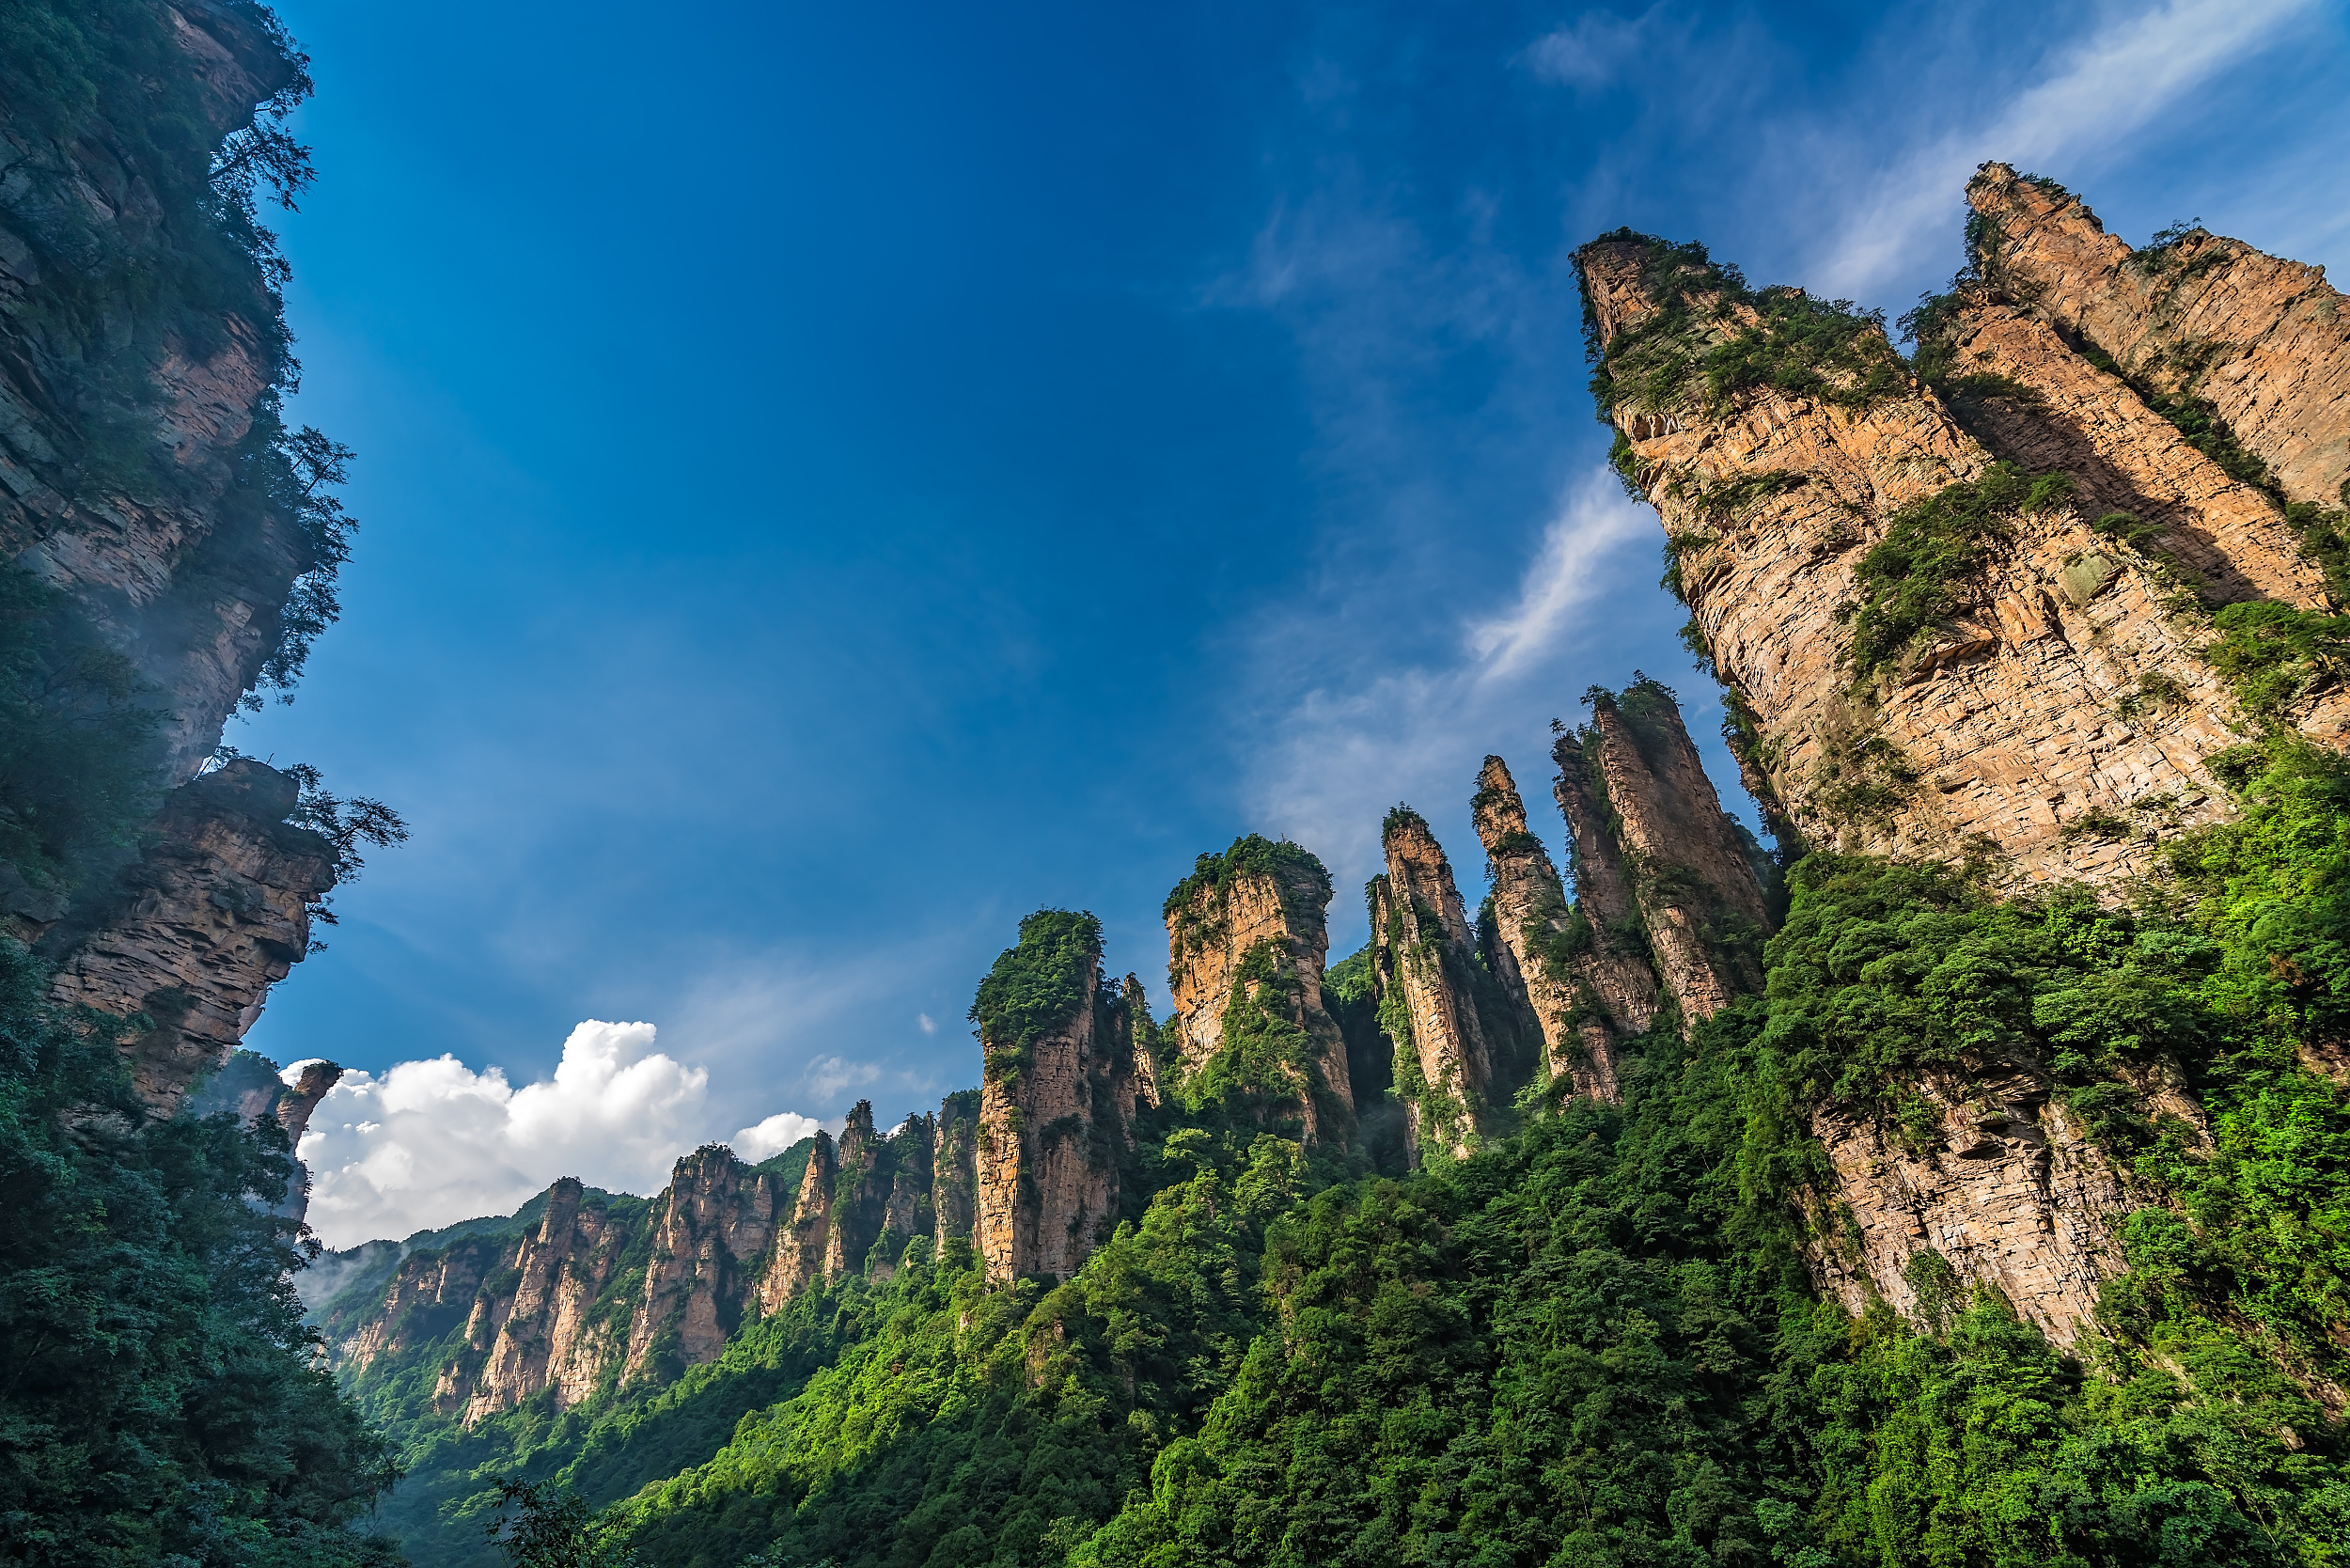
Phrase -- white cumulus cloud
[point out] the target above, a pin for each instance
(774, 1135)
(430, 1142)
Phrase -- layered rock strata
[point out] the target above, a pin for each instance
(1459, 1038)
(1052, 1134)
(1691, 877)
(804, 1236)
(1541, 942)
(1260, 900)
(2007, 1189)
(2265, 341)
(2050, 410)
(1613, 965)
(215, 910)
(710, 1231)
(2061, 723)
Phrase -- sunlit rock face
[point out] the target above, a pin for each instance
(2052, 720)
(2265, 341)
(1052, 1135)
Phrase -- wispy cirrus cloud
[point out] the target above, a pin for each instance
(2101, 92)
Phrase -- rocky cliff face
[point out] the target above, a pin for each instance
(1541, 942)
(2057, 715)
(1248, 929)
(1691, 874)
(154, 523)
(127, 416)
(1462, 1039)
(2052, 707)
(1611, 969)
(2265, 341)
(1054, 1131)
(191, 936)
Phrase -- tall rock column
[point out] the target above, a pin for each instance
(796, 1260)
(544, 1334)
(955, 1167)
(2265, 341)
(1050, 1139)
(1691, 876)
(1457, 1035)
(861, 1202)
(2044, 703)
(1246, 939)
(1547, 947)
(1615, 962)
(714, 1225)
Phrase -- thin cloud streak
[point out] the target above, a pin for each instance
(2112, 86)
(1338, 755)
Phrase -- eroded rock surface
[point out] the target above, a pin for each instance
(1052, 1134)
(1541, 940)
(216, 911)
(1270, 902)
(2265, 341)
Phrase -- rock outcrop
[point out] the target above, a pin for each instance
(1612, 969)
(955, 1167)
(1541, 941)
(1056, 1102)
(1246, 935)
(2060, 721)
(1691, 874)
(597, 1291)
(803, 1238)
(192, 936)
(1461, 1039)
(2038, 404)
(2265, 342)
(2006, 1189)
(543, 1331)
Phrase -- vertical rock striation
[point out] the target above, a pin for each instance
(711, 1229)
(1691, 876)
(1247, 938)
(1460, 1039)
(2265, 342)
(1613, 965)
(803, 1238)
(1543, 942)
(1059, 1083)
(192, 934)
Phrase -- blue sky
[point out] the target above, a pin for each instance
(834, 480)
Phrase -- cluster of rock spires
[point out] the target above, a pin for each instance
(179, 571)
(598, 1289)
(2057, 727)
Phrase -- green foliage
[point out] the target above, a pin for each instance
(1037, 986)
(2273, 654)
(79, 765)
(160, 1405)
(1195, 907)
(1929, 565)
(1709, 338)
(551, 1528)
(973, 1421)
